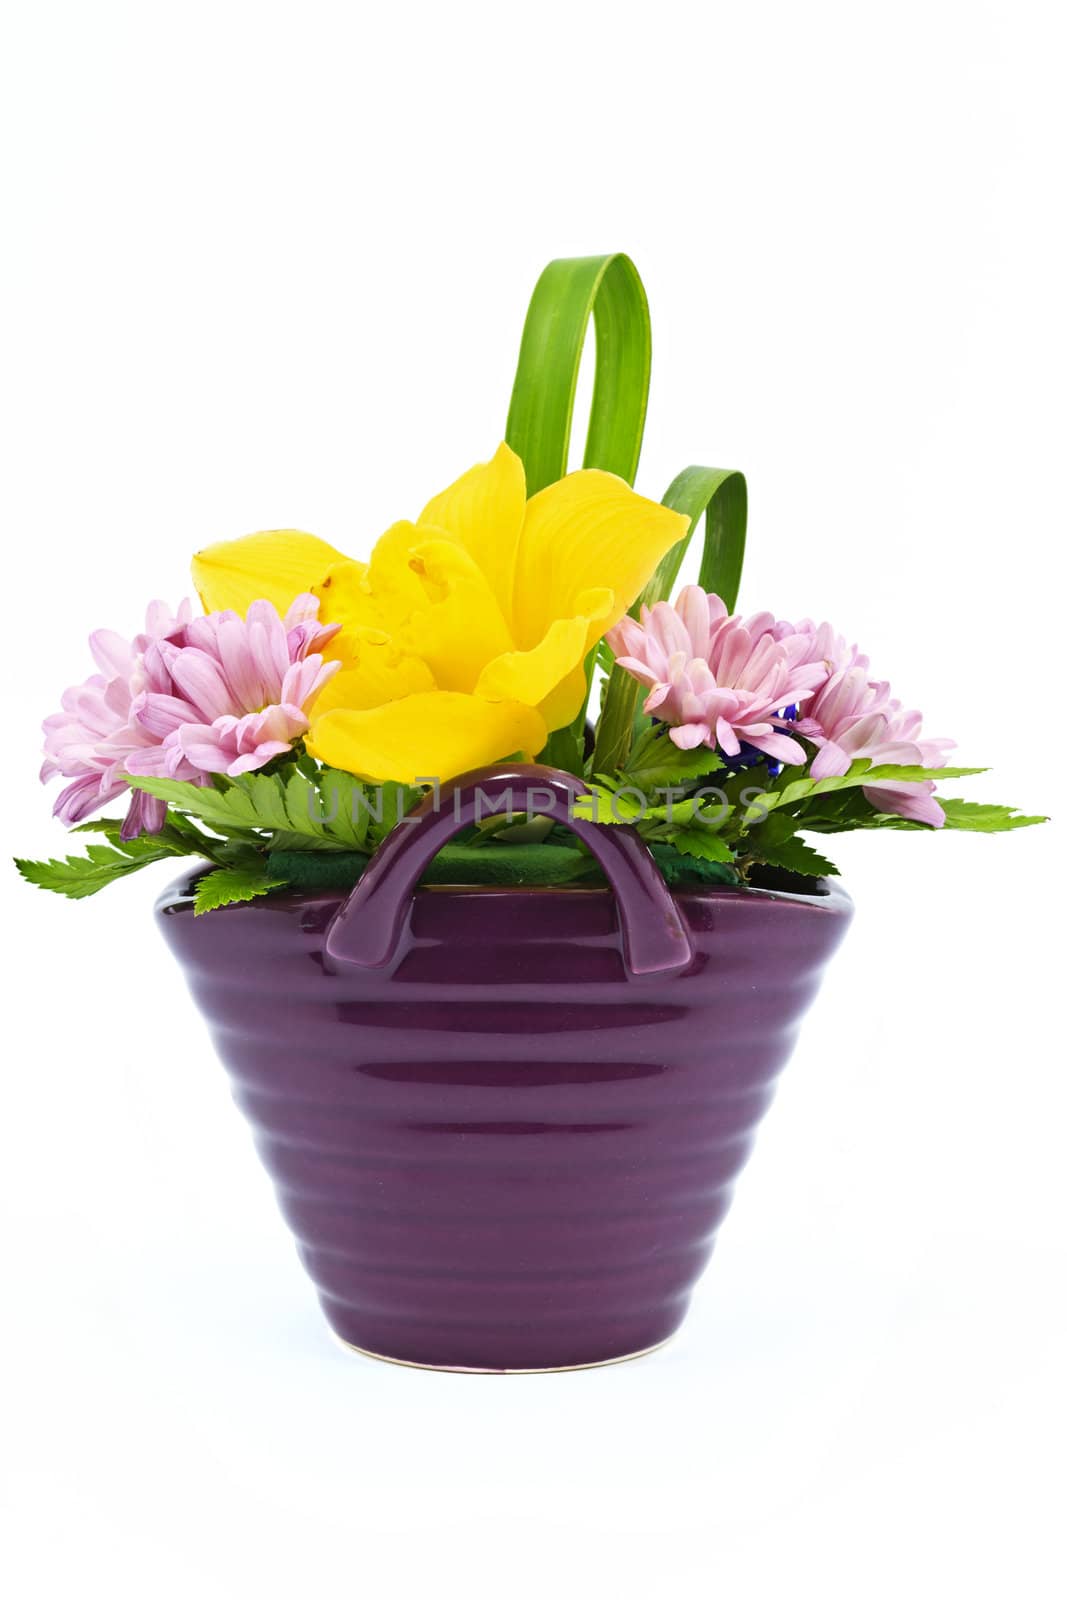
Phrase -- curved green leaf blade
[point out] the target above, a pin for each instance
(568, 292)
(720, 496)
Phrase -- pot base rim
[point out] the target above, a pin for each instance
(498, 1372)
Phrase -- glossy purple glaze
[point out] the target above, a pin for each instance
(501, 1148)
(367, 930)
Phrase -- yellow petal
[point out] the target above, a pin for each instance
(560, 707)
(427, 594)
(483, 510)
(375, 671)
(532, 675)
(435, 735)
(381, 593)
(589, 530)
(390, 585)
(458, 626)
(264, 566)
(344, 597)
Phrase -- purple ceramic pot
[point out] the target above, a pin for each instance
(504, 1124)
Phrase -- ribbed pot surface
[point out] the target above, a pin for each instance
(503, 1151)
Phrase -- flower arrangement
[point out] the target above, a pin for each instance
(523, 616)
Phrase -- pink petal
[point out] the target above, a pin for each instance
(690, 734)
(831, 762)
(146, 815)
(111, 653)
(915, 801)
(160, 714)
(256, 758)
(247, 687)
(692, 605)
(201, 744)
(727, 738)
(202, 683)
(778, 747)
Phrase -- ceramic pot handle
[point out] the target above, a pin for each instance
(366, 930)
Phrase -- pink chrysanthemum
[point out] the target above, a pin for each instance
(98, 730)
(720, 680)
(853, 718)
(188, 697)
(820, 643)
(241, 691)
(716, 679)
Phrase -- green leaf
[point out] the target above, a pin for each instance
(565, 749)
(227, 885)
(512, 864)
(787, 791)
(657, 763)
(333, 810)
(973, 817)
(391, 802)
(344, 803)
(267, 796)
(568, 292)
(180, 833)
(615, 728)
(603, 805)
(702, 842)
(961, 816)
(720, 495)
(533, 830)
(80, 876)
(285, 839)
(919, 774)
(793, 855)
(228, 808)
(681, 871)
(604, 655)
(607, 288)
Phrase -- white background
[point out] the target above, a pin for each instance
(266, 265)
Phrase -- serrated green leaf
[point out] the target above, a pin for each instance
(226, 809)
(657, 763)
(681, 871)
(786, 791)
(106, 825)
(229, 885)
(267, 795)
(779, 826)
(961, 816)
(343, 802)
(919, 774)
(395, 800)
(793, 855)
(302, 808)
(80, 876)
(605, 806)
(973, 817)
(334, 810)
(102, 855)
(701, 842)
(285, 839)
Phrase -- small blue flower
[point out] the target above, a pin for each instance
(749, 756)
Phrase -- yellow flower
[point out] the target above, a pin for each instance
(463, 638)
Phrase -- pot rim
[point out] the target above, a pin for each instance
(831, 897)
